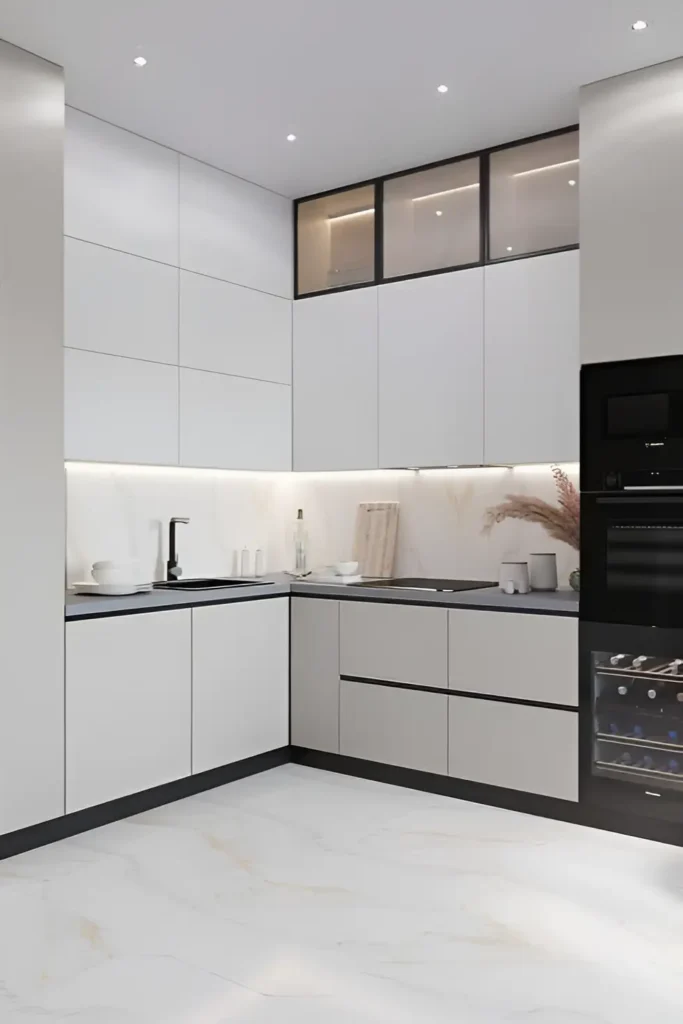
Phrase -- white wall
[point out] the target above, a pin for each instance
(31, 440)
(631, 252)
(123, 511)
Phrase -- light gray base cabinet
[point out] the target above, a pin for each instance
(314, 676)
(392, 725)
(515, 746)
(393, 642)
(525, 657)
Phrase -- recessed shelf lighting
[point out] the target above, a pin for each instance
(442, 88)
(571, 181)
(446, 192)
(638, 26)
(291, 137)
(355, 213)
(439, 213)
(140, 62)
(548, 167)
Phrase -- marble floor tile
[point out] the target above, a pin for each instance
(302, 896)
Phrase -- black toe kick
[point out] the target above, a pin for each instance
(103, 814)
(493, 796)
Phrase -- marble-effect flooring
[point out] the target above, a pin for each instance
(301, 897)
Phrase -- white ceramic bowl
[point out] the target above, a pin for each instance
(112, 572)
(346, 568)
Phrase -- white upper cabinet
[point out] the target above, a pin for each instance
(119, 304)
(120, 190)
(233, 422)
(335, 381)
(230, 329)
(120, 410)
(234, 230)
(431, 371)
(631, 173)
(532, 360)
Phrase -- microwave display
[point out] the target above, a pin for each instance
(647, 416)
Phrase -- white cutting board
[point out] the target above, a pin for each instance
(374, 546)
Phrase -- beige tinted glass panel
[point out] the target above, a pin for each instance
(336, 238)
(534, 202)
(431, 219)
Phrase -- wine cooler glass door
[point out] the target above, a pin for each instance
(638, 718)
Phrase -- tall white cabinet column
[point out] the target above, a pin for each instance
(631, 173)
(31, 440)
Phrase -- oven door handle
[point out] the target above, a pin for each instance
(643, 499)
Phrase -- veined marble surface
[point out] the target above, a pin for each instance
(301, 897)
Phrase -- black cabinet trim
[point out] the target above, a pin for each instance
(149, 610)
(346, 596)
(103, 814)
(484, 218)
(463, 693)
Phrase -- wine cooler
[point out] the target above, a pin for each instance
(632, 719)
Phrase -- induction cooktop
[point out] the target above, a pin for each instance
(423, 583)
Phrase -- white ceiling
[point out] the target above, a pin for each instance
(356, 80)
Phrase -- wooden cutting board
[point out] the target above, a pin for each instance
(374, 546)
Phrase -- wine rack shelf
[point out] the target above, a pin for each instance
(633, 741)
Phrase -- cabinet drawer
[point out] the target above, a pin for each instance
(528, 657)
(399, 643)
(408, 728)
(531, 749)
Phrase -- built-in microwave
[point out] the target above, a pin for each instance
(632, 425)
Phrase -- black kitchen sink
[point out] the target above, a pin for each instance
(207, 584)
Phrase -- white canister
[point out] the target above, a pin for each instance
(543, 571)
(517, 574)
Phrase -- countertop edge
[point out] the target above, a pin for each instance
(560, 603)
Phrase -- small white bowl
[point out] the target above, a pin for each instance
(346, 568)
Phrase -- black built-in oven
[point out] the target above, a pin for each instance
(631, 609)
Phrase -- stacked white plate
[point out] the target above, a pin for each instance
(111, 589)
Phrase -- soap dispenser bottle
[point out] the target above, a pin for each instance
(300, 543)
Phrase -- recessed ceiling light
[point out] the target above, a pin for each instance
(442, 88)
(140, 61)
(439, 213)
(571, 182)
(509, 248)
(638, 26)
(291, 138)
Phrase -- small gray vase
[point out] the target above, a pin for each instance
(575, 580)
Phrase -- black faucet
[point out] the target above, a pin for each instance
(173, 570)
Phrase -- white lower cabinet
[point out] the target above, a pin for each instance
(234, 422)
(128, 682)
(394, 725)
(240, 690)
(514, 746)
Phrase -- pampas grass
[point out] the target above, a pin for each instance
(561, 521)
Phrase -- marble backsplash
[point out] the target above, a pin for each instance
(121, 512)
